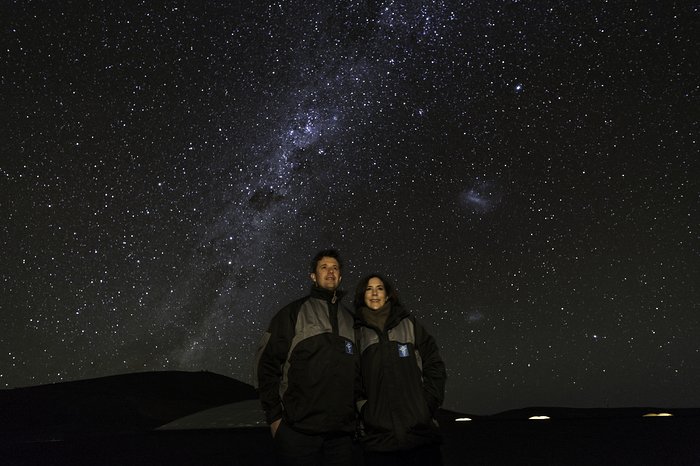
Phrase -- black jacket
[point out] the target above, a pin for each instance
(403, 381)
(308, 367)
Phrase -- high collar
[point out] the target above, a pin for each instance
(326, 295)
(378, 317)
(395, 314)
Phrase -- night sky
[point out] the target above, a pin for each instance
(525, 172)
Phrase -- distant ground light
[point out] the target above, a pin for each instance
(542, 417)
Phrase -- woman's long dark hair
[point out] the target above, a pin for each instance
(391, 293)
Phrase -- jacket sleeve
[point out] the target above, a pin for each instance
(271, 357)
(434, 373)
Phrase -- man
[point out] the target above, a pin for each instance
(308, 372)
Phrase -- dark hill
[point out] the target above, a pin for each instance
(592, 413)
(120, 403)
(113, 421)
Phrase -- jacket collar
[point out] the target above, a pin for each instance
(326, 295)
(396, 315)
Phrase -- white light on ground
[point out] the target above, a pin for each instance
(538, 418)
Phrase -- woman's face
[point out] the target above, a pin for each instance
(375, 294)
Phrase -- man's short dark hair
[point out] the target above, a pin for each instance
(326, 253)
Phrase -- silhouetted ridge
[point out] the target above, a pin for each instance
(128, 402)
(591, 413)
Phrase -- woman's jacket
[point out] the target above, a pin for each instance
(403, 380)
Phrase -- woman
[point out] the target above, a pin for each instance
(403, 379)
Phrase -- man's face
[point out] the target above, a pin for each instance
(327, 273)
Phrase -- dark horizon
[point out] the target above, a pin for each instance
(178, 418)
(164, 399)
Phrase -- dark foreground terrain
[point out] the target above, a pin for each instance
(177, 418)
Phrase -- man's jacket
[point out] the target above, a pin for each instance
(308, 366)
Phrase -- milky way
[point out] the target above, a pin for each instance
(525, 173)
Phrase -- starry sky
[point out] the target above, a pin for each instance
(525, 172)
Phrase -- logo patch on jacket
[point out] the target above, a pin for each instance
(403, 350)
(348, 347)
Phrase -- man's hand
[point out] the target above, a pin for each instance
(274, 426)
